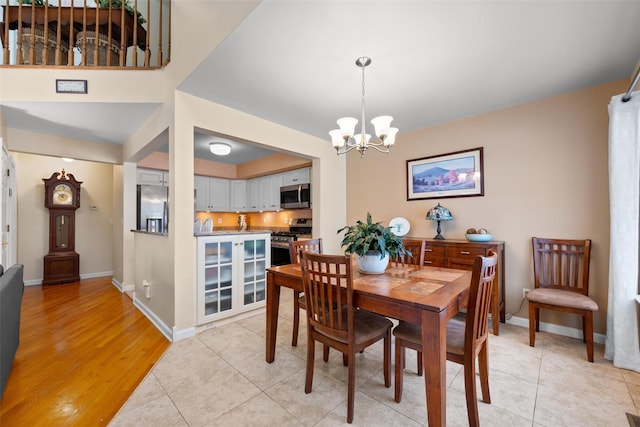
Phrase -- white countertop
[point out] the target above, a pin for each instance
(230, 232)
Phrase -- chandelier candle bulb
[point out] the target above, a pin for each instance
(345, 139)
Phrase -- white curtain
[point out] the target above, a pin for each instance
(621, 344)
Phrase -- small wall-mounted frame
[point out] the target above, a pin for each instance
(71, 86)
(457, 174)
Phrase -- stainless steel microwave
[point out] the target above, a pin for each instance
(295, 196)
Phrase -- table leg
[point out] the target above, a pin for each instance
(495, 308)
(273, 303)
(434, 359)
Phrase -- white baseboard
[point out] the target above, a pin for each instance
(556, 329)
(117, 284)
(158, 323)
(82, 276)
(183, 334)
(121, 287)
(94, 275)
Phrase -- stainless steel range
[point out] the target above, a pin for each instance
(299, 228)
(280, 247)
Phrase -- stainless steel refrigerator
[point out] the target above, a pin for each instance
(152, 207)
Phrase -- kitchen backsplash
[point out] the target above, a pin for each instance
(275, 221)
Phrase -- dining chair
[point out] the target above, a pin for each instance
(561, 283)
(466, 337)
(328, 283)
(299, 302)
(416, 248)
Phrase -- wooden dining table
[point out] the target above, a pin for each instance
(429, 296)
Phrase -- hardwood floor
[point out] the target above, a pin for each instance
(83, 349)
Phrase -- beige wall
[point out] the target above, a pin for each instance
(93, 227)
(545, 174)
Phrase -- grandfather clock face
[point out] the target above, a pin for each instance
(62, 195)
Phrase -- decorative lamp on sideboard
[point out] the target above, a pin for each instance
(439, 213)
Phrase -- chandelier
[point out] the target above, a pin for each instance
(345, 140)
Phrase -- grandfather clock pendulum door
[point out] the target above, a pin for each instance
(62, 198)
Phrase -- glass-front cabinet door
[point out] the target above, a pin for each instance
(218, 277)
(254, 277)
(231, 274)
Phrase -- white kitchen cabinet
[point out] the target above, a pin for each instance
(272, 191)
(153, 177)
(232, 274)
(212, 194)
(238, 195)
(255, 194)
(263, 193)
(297, 176)
(219, 194)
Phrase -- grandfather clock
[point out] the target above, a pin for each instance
(62, 198)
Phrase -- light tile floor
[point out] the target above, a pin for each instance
(220, 377)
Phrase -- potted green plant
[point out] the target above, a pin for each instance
(373, 245)
(118, 4)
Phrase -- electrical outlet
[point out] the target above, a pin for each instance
(525, 291)
(147, 288)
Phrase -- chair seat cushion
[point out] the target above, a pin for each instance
(562, 298)
(367, 326)
(455, 333)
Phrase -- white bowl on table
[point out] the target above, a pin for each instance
(478, 237)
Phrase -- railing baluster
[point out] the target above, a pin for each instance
(70, 53)
(160, 38)
(168, 35)
(147, 48)
(32, 51)
(45, 34)
(5, 47)
(96, 52)
(134, 56)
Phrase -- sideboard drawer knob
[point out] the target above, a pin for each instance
(465, 252)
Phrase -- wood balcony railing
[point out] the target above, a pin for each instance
(87, 35)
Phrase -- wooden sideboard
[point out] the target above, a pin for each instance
(461, 254)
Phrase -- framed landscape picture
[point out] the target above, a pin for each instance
(457, 174)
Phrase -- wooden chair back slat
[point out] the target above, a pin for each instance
(562, 264)
(478, 308)
(298, 246)
(327, 284)
(416, 248)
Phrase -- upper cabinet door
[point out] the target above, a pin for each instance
(201, 185)
(238, 195)
(297, 176)
(152, 177)
(219, 194)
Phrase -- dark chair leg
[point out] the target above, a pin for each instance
(532, 325)
(296, 318)
(351, 387)
(483, 362)
(398, 372)
(588, 332)
(311, 350)
(470, 392)
(387, 360)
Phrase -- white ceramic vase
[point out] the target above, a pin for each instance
(371, 263)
